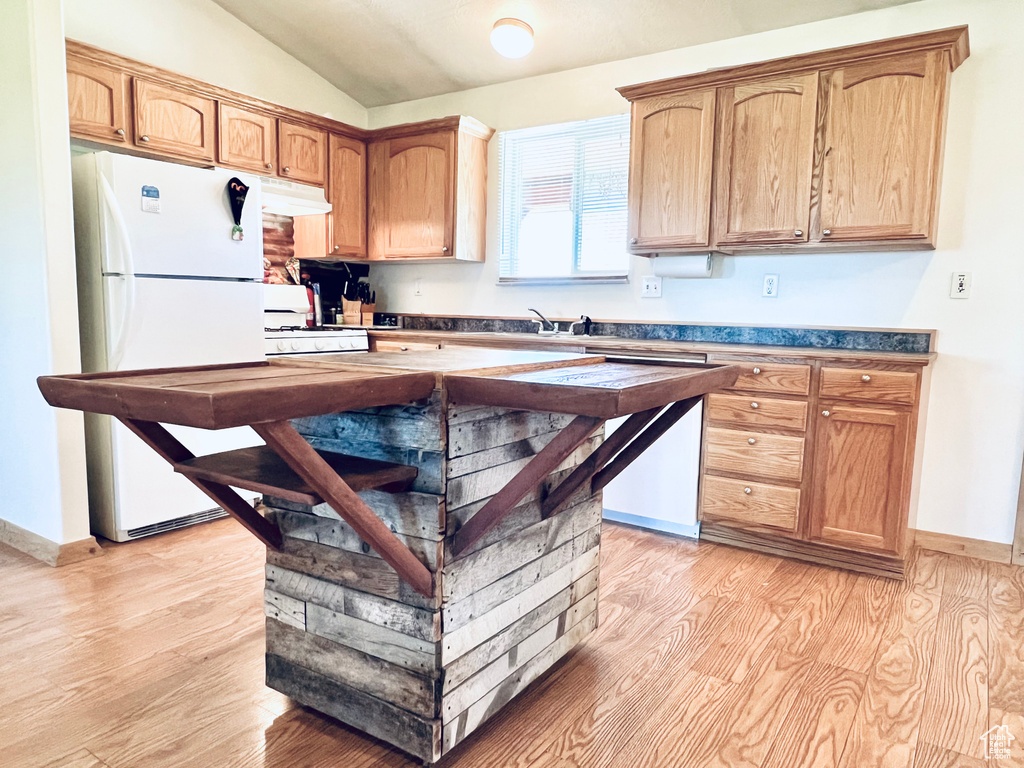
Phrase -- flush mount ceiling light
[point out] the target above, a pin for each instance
(512, 38)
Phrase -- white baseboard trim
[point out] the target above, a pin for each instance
(49, 552)
(664, 526)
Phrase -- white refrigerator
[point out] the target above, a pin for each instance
(161, 284)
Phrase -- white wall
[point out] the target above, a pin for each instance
(972, 458)
(200, 39)
(42, 453)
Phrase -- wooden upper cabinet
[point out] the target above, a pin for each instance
(412, 196)
(835, 150)
(174, 121)
(97, 101)
(346, 191)
(860, 475)
(247, 140)
(302, 153)
(883, 140)
(763, 166)
(671, 155)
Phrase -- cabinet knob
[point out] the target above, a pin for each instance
(632, 241)
(270, 166)
(824, 413)
(798, 233)
(865, 377)
(286, 169)
(444, 249)
(119, 131)
(826, 232)
(404, 349)
(337, 247)
(751, 440)
(756, 371)
(143, 138)
(747, 490)
(754, 406)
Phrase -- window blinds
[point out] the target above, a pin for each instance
(562, 200)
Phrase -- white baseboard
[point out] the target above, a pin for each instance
(664, 526)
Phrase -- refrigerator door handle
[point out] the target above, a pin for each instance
(127, 274)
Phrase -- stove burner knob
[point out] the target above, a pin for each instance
(295, 346)
(320, 344)
(282, 345)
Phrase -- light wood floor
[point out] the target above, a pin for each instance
(706, 655)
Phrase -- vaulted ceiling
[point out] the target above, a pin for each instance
(388, 51)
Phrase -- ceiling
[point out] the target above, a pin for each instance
(388, 51)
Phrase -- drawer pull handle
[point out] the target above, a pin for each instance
(826, 232)
(404, 349)
(747, 490)
(754, 406)
(865, 377)
(824, 413)
(751, 440)
(798, 233)
(119, 131)
(756, 371)
(143, 138)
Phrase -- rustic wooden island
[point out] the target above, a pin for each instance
(432, 518)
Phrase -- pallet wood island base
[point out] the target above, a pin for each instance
(432, 520)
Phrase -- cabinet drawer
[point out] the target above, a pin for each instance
(381, 345)
(758, 411)
(785, 378)
(864, 384)
(753, 503)
(755, 454)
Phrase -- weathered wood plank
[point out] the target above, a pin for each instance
(510, 427)
(472, 573)
(492, 702)
(284, 608)
(470, 488)
(408, 428)
(393, 683)
(416, 735)
(407, 514)
(362, 572)
(501, 454)
(340, 535)
(430, 464)
(419, 623)
(382, 642)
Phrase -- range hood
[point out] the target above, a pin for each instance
(286, 198)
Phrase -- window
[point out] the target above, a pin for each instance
(562, 201)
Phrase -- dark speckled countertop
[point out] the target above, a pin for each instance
(913, 342)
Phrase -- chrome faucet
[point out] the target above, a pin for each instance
(545, 324)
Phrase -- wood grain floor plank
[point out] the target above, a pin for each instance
(885, 730)
(805, 627)
(814, 732)
(956, 701)
(930, 756)
(82, 758)
(1006, 656)
(853, 640)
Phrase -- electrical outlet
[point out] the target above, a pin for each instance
(418, 287)
(771, 286)
(960, 285)
(650, 288)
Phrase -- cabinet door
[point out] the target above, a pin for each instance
(671, 153)
(96, 101)
(174, 121)
(247, 140)
(860, 468)
(883, 140)
(412, 196)
(765, 155)
(302, 153)
(346, 190)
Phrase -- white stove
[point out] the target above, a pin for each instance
(285, 313)
(314, 341)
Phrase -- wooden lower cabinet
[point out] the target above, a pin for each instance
(860, 467)
(813, 460)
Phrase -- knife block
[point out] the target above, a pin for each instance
(351, 312)
(367, 313)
